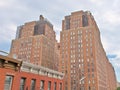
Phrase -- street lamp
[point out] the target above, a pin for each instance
(82, 78)
(82, 88)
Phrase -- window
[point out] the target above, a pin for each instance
(88, 60)
(82, 70)
(33, 84)
(88, 75)
(82, 82)
(42, 85)
(89, 81)
(49, 85)
(82, 60)
(93, 81)
(92, 75)
(60, 86)
(92, 69)
(88, 64)
(88, 70)
(55, 85)
(22, 83)
(84, 20)
(82, 88)
(89, 88)
(67, 23)
(8, 83)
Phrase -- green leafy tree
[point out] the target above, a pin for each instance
(118, 88)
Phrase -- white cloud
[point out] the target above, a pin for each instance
(57, 30)
(8, 33)
(4, 3)
(97, 2)
(116, 61)
(8, 3)
(112, 17)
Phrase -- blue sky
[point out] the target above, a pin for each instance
(106, 13)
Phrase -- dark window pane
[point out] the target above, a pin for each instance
(55, 86)
(67, 23)
(84, 20)
(39, 28)
(60, 86)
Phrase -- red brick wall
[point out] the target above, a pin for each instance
(29, 76)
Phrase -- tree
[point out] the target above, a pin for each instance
(118, 88)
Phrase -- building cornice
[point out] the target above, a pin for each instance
(35, 69)
(8, 62)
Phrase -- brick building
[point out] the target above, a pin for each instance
(35, 43)
(20, 75)
(82, 57)
(57, 54)
(80, 54)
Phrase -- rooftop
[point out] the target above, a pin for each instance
(14, 64)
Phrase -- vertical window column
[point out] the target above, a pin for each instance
(8, 83)
(49, 85)
(33, 81)
(42, 85)
(55, 86)
(22, 83)
(60, 86)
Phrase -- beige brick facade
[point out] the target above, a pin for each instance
(35, 43)
(83, 59)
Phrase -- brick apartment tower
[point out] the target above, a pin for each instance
(35, 43)
(82, 57)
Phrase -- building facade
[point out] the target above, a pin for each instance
(57, 55)
(82, 57)
(35, 43)
(20, 75)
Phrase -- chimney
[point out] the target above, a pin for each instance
(41, 17)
